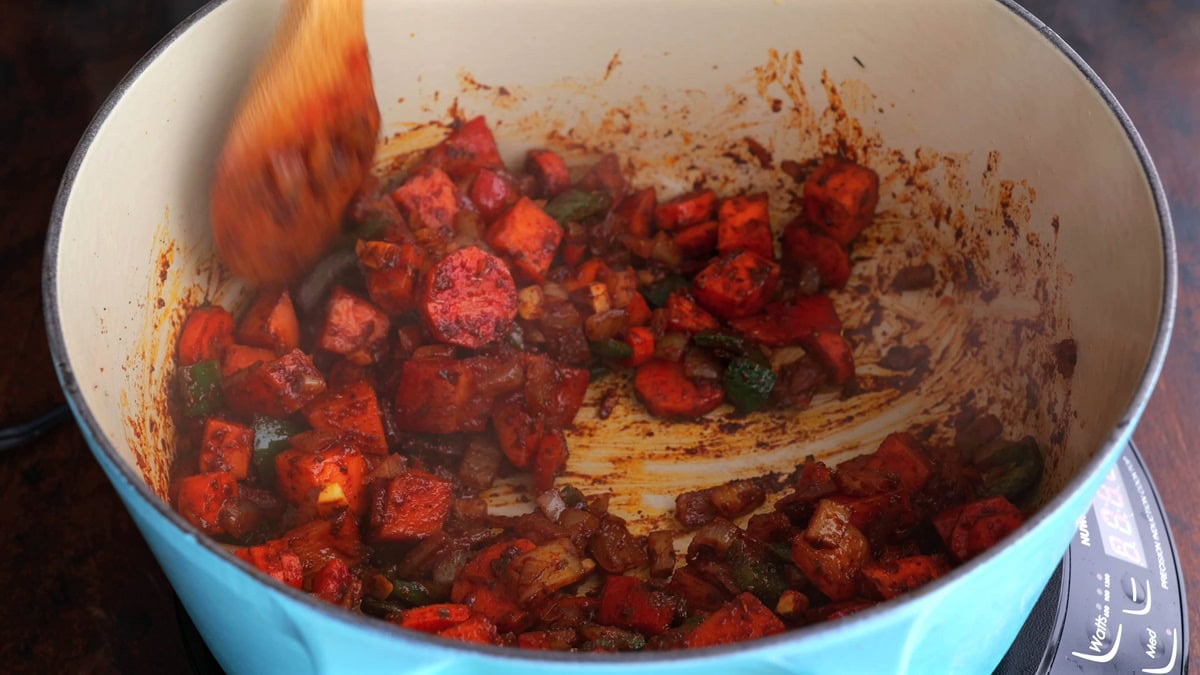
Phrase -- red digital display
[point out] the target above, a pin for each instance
(1118, 529)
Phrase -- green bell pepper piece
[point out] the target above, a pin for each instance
(658, 293)
(271, 436)
(412, 593)
(200, 385)
(748, 384)
(611, 350)
(576, 206)
(757, 574)
(1011, 470)
(571, 495)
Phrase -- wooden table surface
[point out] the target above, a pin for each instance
(83, 593)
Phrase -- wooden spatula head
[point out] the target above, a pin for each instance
(300, 145)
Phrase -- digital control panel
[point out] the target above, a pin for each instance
(1122, 607)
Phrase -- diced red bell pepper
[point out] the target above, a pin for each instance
(698, 240)
(901, 576)
(835, 353)
(206, 334)
(831, 552)
(322, 481)
(626, 602)
(275, 388)
(271, 323)
(605, 175)
(899, 464)
(550, 461)
(738, 284)
(492, 603)
(830, 258)
(276, 561)
(226, 446)
(336, 584)
(561, 639)
(980, 525)
(945, 521)
(637, 211)
(698, 594)
(317, 542)
(239, 357)
(478, 586)
(434, 618)
(786, 324)
(840, 198)
(354, 328)
(518, 432)
(440, 395)
(527, 235)
(430, 201)
(683, 211)
(574, 252)
(199, 499)
(865, 510)
(466, 150)
(378, 213)
(684, 315)
(639, 310)
(470, 298)
(485, 568)
(549, 170)
(668, 393)
(412, 506)
(900, 455)
(492, 193)
(554, 392)
(392, 272)
(587, 274)
(743, 618)
(838, 610)
(737, 211)
(475, 629)
(641, 340)
(745, 223)
(353, 411)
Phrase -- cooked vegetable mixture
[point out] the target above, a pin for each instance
(338, 435)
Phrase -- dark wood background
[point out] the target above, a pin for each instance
(83, 593)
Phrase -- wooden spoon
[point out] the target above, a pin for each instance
(300, 145)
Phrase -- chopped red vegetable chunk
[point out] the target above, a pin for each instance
(354, 328)
(411, 506)
(226, 446)
(667, 392)
(277, 388)
(275, 561)
(201, 497)
(206, 335)
(736, 284)
(271, 323)
(466, 150)
(529, 236)
(353, 411)
(743, 618)
(840, 198)
(322, 481)
(686, 210)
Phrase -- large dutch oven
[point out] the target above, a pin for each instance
(1005, 163)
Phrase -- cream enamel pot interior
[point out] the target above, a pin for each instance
(1005, 163)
